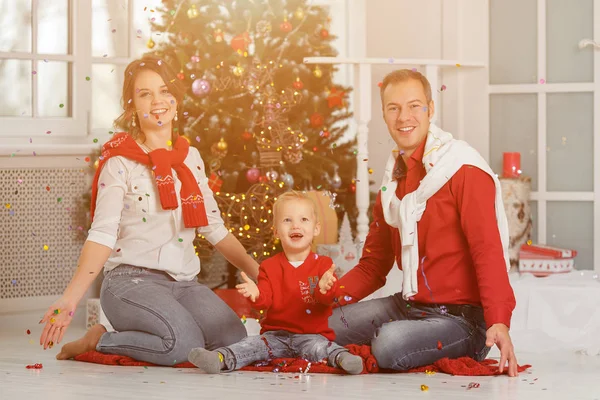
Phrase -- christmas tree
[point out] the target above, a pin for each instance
(254, 110)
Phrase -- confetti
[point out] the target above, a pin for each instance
(424, 388)
(59, 199)
(144, 219)
(71, 313)
(169, 143)
(391, 60)
(180, 240)
(429, 372)
(14, 282)
(46, 247)
(473, 385)
(308, 311)
(61, 105)
(95, 140)
(87, 78)
(57, 311)
(52, 320)
(35, 366)
(198, 139)
(439, 345)
(48, 188)
(87, 159)
(383, 189)
(7, 205)
(458, 65)
(443, 88)
(28, 332)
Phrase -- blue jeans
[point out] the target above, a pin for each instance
(280, 344)
(159, 320)
(405, 335)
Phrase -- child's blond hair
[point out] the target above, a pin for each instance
(292, 195)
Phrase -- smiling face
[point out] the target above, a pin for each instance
(154, 104)
(296, 225)
(406, 113)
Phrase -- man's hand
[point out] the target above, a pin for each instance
(327, 280)
(498, 334)
(248, 288)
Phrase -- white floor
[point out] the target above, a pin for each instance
(557, 376)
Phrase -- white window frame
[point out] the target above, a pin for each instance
(542, 195)
(16, 131)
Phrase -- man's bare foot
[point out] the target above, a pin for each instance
(87, 343)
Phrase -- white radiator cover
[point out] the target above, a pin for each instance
(41, 206)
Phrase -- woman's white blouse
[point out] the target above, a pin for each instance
(130, 220)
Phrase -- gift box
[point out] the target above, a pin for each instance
(345, 253)
(214, 182)
(327, 218)
(543, 260)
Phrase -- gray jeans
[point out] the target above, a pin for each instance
(405, 335)
(280, 344)
(159, 320)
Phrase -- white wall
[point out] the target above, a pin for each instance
(432, 29)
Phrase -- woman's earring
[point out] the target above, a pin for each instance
(175, 116)
(133, 120)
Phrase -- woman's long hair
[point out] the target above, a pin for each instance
(174, 84)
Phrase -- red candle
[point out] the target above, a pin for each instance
(512, 165)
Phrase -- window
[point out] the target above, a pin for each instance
(62, 63)
(39, 68)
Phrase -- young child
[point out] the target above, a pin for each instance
(295, 289)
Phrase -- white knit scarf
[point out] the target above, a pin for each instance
(442, 158)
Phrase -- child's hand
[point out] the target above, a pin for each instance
(327, 280)
(248, 288)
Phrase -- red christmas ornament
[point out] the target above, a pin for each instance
(352, 188)
(298, 84)
(335, 98)
(247, 136)
(325, 134)
(241, 42)
(316, 120)
(324, 33)
(263, 179)
(285, 26)
(180, 76)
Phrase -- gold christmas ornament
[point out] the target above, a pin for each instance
(317, 72)
(238, 70)
(222, 145)
(193, 12)
(299, 13)
(150, 44)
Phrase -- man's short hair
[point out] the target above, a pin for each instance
(403, 75)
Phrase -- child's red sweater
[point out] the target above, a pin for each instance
(291, 298)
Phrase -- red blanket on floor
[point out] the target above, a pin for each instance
(461, 366)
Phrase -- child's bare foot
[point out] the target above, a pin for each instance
(87, 343)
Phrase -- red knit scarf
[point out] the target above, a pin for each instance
(161, 160)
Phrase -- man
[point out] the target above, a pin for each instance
(456, 298)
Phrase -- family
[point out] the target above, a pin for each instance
(438, 215)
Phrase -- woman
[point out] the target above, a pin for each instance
(150, 197)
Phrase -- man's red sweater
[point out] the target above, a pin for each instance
(291, 298)
(462, 261)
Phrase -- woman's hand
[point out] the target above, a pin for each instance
(57, 319)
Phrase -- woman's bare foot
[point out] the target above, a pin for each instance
(87, 343)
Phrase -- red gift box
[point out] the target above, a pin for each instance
(214, 182)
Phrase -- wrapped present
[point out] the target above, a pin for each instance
(327, 217)
(543, 260)
(214, 182)
(345, 253)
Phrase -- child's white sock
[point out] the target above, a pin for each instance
(210, 362)
(349, 362)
